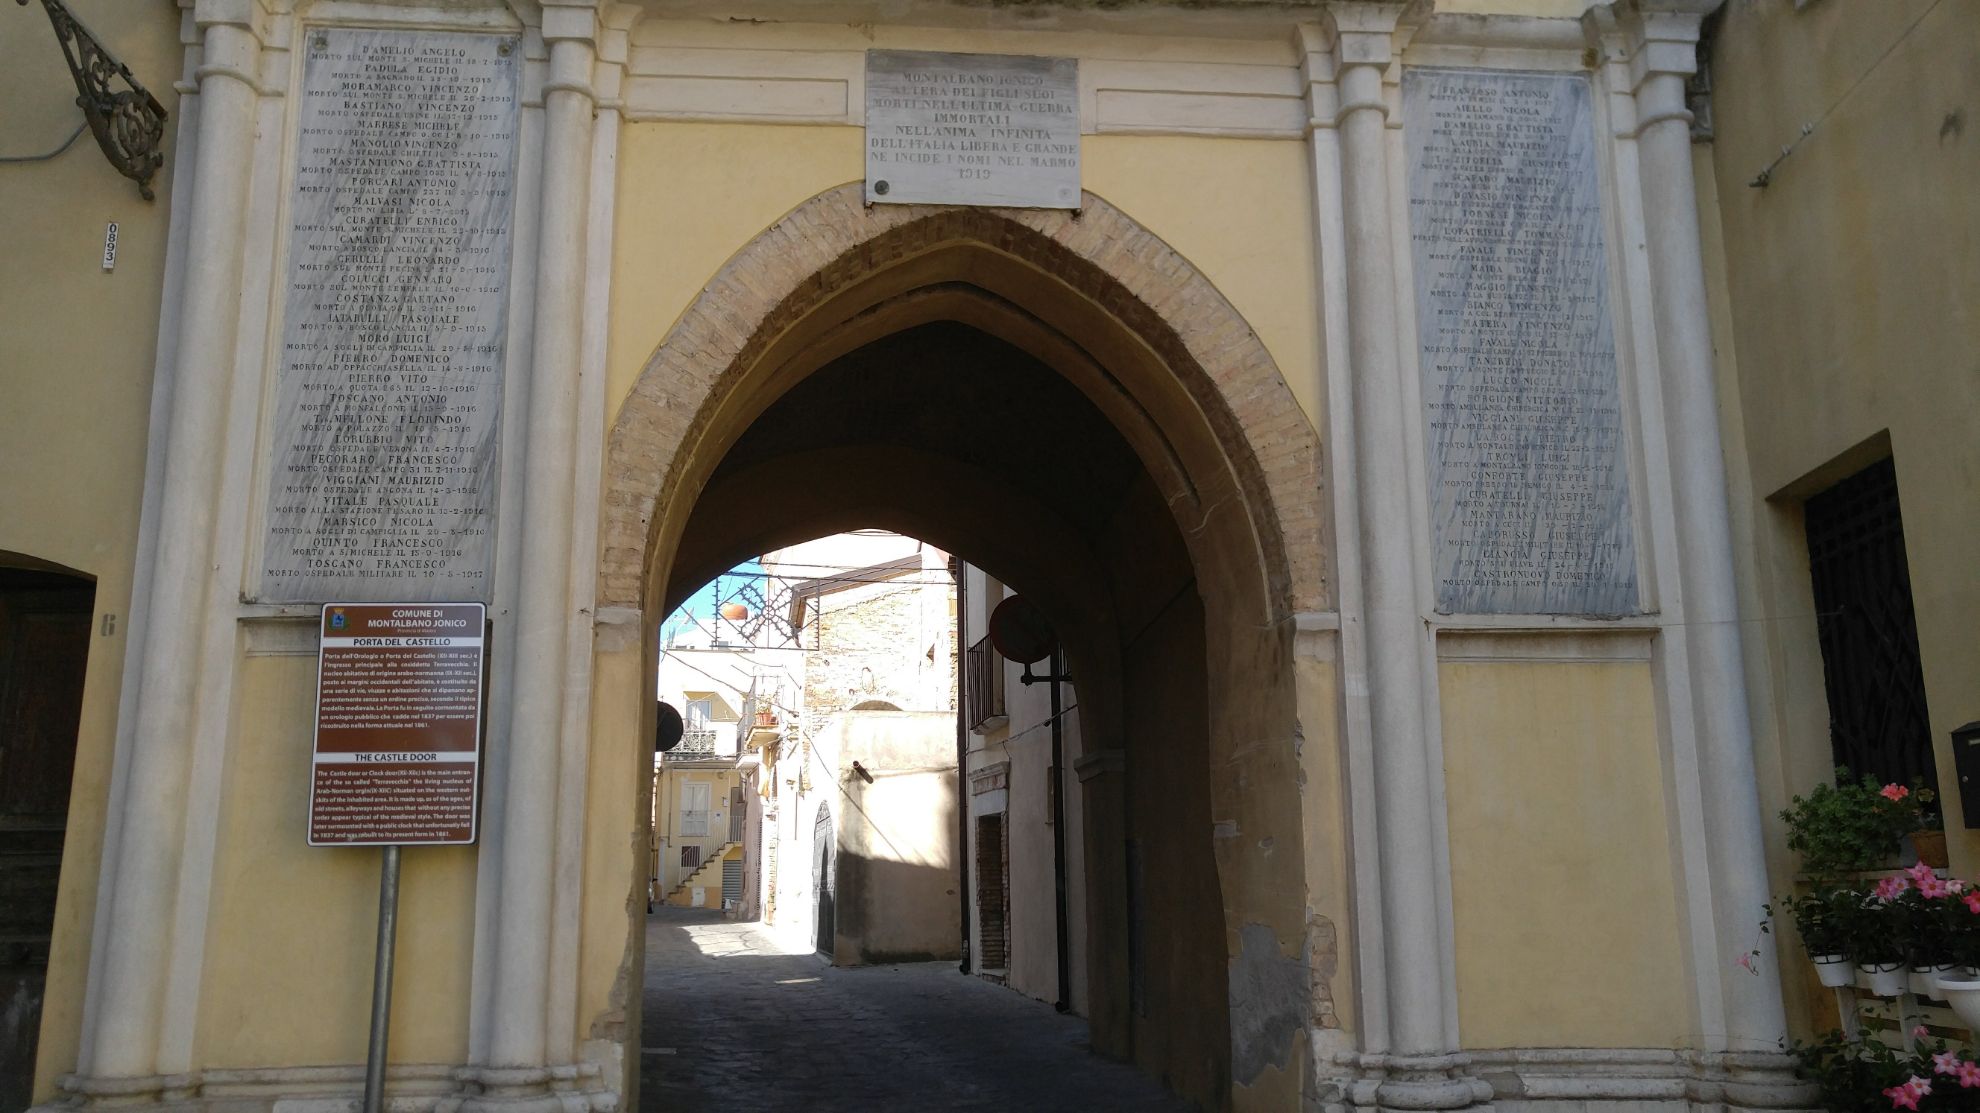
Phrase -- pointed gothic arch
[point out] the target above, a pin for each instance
(1232, 476)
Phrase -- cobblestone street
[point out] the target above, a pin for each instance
(735, 1023)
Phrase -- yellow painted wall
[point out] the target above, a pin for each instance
(618, 818)
(1561, 878)
(76, 353)
(1239, 209)
(1848, 289)
(1323, 802)
(292, 929)
(667, 823)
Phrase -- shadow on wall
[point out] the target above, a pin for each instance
(896, 875)
(895, 912)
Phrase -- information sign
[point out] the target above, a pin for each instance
(398, 724)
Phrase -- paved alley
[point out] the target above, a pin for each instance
(734, 1023)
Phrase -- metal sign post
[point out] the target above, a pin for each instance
(381, 981)
(397, 757)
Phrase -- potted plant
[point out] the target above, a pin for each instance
(1822, 919)
(1960, 924)
(1854, 825)
(1861, 1076)
(1879, 937)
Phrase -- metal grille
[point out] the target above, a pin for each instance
(731, 881)
(1877, 717)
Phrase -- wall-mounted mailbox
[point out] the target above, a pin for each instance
(1966, 759)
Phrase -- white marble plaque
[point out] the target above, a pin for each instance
(382, 475)
(972, 129)
(1529, 489)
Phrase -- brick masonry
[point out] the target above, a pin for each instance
(834, 240)
(871, 646)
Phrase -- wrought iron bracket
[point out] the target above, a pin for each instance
(129, 123)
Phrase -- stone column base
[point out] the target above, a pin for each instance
(409, 1088)
(1566, 1080)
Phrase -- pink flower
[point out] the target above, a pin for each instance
(1890, 888)
(1919, 1032)
(1969, 1075)
(1972, 900)
(1920, 872)
(1932, 888)
(1907, 1095)
(1745, 962)
(1894, 792)
(1955, 886)
(1945, 1062)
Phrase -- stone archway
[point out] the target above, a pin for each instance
(1232, 466)
(752, 313)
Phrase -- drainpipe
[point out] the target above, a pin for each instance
(962, 758)
(1064, 1003)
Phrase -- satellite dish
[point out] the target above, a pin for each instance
(1021, 632)
(668, 734)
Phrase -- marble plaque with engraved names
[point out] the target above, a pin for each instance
(1522, 408)
(972, 129)
(382, 474)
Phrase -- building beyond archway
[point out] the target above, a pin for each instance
(1001, 385)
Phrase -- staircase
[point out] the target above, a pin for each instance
(708, 875)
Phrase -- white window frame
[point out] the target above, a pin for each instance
(694, 821)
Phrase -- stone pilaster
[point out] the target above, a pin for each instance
(1743, 1022)
(1407, 1012)
(143, 887)
(526, 1064)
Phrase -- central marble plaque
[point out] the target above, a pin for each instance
(972, 129)
(382, 475)
(1529, 490)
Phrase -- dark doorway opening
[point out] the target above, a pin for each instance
(44, 651)
(824, 879)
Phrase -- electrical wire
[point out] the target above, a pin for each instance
(1766, 175)
(684, 663)
(66, 144)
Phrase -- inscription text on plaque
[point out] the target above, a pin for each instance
(382, 476)
(1529, 489)
(972, 129)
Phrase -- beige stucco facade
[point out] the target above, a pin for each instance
(88, 363)
(1847, 347)
(1366, 913)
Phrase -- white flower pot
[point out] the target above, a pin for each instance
(1836, 971)
(1922, 981)
(1961, 989)
(1943, 972)
(1887, 979)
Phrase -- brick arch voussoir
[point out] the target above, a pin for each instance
(833, 240)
